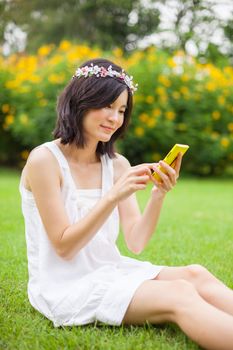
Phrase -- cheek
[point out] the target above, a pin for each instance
(93, 118)
(121, 120)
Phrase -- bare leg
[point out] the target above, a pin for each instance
(179, 302)
(207, 285)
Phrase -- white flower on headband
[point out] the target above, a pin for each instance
(102, 72)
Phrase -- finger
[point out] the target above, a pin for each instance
(140, 170)
(161, 185)
(171, 173)
(178, 163)
(164, 178)
(156, 182)
(139, 187)
(141, 179)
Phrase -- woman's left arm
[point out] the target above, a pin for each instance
(138, 228)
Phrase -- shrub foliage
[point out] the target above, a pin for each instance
(179, 100)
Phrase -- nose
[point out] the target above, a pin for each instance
(113, 115)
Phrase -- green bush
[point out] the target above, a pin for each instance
(178, 101)
(181, 101)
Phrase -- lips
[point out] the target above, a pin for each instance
(107, 128)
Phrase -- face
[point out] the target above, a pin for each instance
(100, 124)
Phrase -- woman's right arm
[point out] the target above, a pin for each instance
(44, 178)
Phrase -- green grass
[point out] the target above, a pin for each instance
(195, 227)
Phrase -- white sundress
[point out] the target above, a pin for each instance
(98, 283)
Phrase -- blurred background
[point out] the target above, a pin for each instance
(179, 52)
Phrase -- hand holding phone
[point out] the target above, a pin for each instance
(170, 158)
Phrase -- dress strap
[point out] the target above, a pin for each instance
(107, 178)
(57, 153)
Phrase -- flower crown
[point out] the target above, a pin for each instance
(102, 72)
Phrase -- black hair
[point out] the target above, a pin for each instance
(82, 94)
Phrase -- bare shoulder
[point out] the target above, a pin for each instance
(120, 165)
(40, 162)
(41, 156)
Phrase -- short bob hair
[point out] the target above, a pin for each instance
(82, 94)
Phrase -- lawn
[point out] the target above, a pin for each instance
(195, 227)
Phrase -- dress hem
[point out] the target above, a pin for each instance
(119, 311)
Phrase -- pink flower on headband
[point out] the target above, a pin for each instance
(103, 72)
(85, 71)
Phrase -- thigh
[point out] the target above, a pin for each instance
(195, 274)
(170, 273)
(152, 302)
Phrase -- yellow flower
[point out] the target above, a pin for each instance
(214, 135)
(184, 77)
(150, 99)
(24, 89)
(27, 64)
(138, 98)
(43, 102)
(135, 58)
(176, 95)
(56, 78)
(210, 86)
(184, 90)
(164, 80)
(230, 127)
(170, 115)
(160, 90)
(6, 108)
(171, 63)
(139, 131)
(225, 142)
(151, 58)
(163, 99)
(23, 118)
(64, 45)
(12, 84)
(54, 60)
(151, 123)
(25, 154)
(45, 50)
(216, 115)
(73, 56)
(9, 119)
(35, 78)
(221, 100)
(118, 52)
(143, 117)
(156, 112)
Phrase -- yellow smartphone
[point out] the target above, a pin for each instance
(171, 158)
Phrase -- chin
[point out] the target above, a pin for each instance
(105, 138)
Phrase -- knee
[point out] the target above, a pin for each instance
(204, 282)
(184, 292)
(198, 274)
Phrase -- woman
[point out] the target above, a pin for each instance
(75, 191)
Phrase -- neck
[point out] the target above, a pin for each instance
(86, 155)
